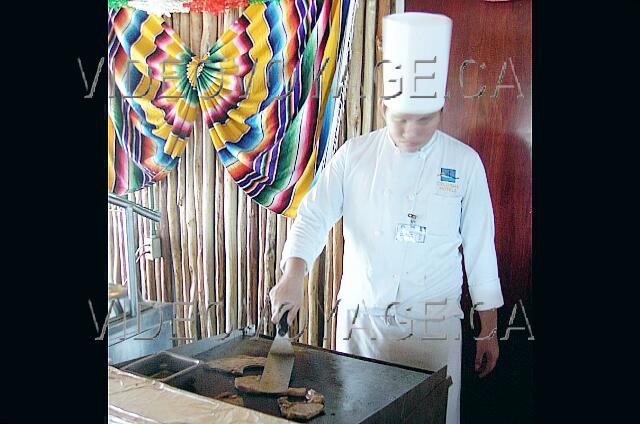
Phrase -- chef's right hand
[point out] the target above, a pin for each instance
(288, 293)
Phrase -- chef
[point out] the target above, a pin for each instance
(410, 196)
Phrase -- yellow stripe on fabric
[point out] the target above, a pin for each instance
(145, 45)
(153, 114)
(140, 50)
(331, 52)
(302, 187)
(258, 30)
(174, 146)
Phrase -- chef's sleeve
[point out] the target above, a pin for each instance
(318, 212)
(477, 230)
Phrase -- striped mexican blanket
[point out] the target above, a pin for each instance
(269, 91)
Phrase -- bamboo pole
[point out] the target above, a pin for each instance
(253, 259)
(281, 231)
(328, 291)
(148, 265)
(313, 301)
(242, 259)
(165, 241)
(384, 8)
(368, 71)
(220, 247)
(184, 246)
(176, 22)
(195, 34)
(192, 242)
(133, 197)
(230, 244)
(198, 174)
(190, 211)
(270, 255)
(354, 88)
(209, 34)
(151, 263)
(304, 311)
(173, 219)
(208, 228)
(221, 27)
(137, 243)
(143, 265)
(262, 296)
(157, 263)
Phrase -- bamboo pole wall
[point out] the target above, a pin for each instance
(221, 251)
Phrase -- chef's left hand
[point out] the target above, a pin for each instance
(490, 350)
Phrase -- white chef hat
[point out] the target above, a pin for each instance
(412, 41)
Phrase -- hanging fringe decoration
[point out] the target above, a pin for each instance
(117, 4)
(214, 6)
(159, 7)
(166, 7)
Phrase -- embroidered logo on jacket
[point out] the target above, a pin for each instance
(448, 175)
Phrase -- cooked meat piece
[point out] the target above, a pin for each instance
(248, 383)
(230, 398)
(251, 384)
(297, 392)
(314, 397)
(236, 364)
(300, 411)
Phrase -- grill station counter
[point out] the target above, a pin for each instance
(356, 389)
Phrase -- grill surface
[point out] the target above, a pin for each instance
(356, 389)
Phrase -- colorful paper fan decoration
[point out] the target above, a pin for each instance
(166, 7)
(269, 92)
(217, 6)
(159, 7)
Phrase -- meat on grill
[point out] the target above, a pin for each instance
(251, 384)
(302, 411)
(230, 398)
(237, 364)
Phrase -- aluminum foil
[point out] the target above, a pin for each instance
(139, 400)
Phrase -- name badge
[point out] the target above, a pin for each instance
(413, 233)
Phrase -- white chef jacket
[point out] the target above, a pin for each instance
(374, 186)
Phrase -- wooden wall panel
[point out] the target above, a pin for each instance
(212, 254)
(495, 121)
